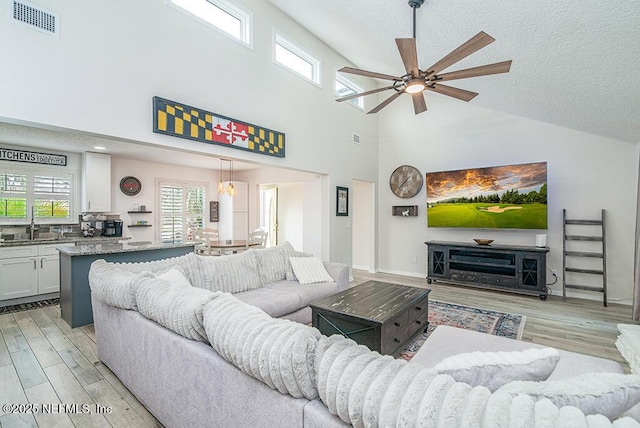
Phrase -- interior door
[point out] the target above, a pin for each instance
(269, 212)
(272, 225)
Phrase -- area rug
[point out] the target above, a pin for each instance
(467, 317)
(26, 306)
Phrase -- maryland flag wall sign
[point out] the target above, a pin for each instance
(181, 120)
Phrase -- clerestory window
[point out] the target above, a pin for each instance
(296, 59)
(223, 15)
(344, 87)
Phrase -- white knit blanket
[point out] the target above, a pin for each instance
(366, 389)
(174, 306)
(277, 352)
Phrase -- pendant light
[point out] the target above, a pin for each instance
(231, 190)
(220, 185)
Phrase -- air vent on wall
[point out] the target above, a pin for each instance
(355, 139)
(33, 16)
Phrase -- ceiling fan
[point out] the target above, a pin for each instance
(416, 81)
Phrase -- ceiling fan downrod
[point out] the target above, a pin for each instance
(415, 4)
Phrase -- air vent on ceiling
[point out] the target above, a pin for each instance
(355, 139)
(34, 16)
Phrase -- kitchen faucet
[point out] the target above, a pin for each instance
(32, 227)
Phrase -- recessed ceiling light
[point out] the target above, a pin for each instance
(99, 148)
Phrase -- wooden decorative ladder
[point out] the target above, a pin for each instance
(574, 254)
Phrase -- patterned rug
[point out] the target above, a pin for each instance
(467, 317)
(26, 306)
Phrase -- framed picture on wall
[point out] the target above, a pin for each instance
(342, 201)
(213, 211)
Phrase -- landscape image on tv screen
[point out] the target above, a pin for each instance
(509, 196)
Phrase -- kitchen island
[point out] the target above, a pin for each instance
(75, 261)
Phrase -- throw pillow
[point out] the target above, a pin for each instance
(609, 394)
(290, 275)
(309, 270)
(174, 275)
(494, 369)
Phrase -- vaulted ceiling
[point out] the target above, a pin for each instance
(575, 62)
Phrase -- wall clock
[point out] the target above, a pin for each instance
(405, 181)
(130, 186)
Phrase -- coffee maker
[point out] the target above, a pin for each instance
(112, 228)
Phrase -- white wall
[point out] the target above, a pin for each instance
(585, 174)
(101, 78)
(148, 173)
(310, 202)
(291, 214)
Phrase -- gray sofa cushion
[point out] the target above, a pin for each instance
(273, 262)
(279, 353)
(274, 302)
(175, 306)
(188, 263)
(307, 293)
(114, 286)
(446, 341)
(230, 274)
(284, 297)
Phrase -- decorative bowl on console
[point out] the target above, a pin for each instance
(483, 241)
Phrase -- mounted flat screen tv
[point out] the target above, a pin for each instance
(509, 196)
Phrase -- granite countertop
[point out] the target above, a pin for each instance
(114, 248)
(66, 240)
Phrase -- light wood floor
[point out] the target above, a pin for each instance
(44, 361)
(576, 325)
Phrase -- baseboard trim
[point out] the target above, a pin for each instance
(399, 272)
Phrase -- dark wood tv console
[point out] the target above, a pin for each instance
(514, 268)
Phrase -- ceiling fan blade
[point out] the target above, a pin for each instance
(409, 55)
(362, 94)
(483, 70)
(419, 104)
(472, 45)
(450, 91)
(385, 102)
(368, 73)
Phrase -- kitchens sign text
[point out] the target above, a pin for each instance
(32, 157)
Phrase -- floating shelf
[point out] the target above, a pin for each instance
(139, 212)
(139, 225)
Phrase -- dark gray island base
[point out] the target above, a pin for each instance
(75, 261)
(514, 268)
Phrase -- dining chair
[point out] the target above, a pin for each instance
(257, 239)
(203, 238)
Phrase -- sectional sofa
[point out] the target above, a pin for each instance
(197, 353)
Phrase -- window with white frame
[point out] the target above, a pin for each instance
(182, 208)
(48, 193)
(222, 15)
(295, 59)
(346, 87)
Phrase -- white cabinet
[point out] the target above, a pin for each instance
(96, 182)
(19, 273)
(234, 213)
(48, 263)
(28, 271)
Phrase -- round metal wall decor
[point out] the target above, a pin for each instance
(130, 186)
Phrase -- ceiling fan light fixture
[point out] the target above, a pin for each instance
(415, 86)
(417, 80)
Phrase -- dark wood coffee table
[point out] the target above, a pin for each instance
(379, 315)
